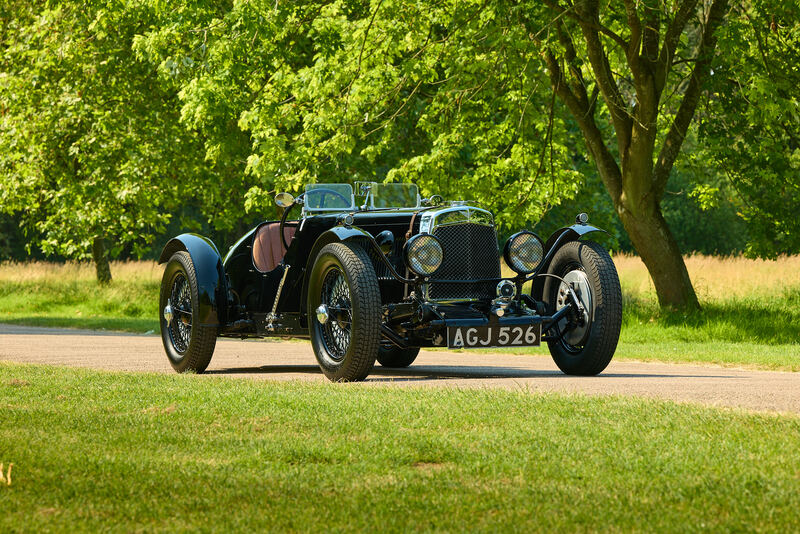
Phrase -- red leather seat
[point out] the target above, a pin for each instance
(268, 250)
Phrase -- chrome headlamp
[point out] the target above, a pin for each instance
(524, 252)
(423, 254)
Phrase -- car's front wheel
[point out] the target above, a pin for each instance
(584, 343)
(344, 308)
(189, 345)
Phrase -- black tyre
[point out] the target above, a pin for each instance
(189, 346)
(344, 308)
(392, 356)
(588, 344)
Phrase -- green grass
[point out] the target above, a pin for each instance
(136, 452)
(45, 295)
(757, 332)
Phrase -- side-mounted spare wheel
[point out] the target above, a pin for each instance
(585, 342)
(344, 308)
(188, 344)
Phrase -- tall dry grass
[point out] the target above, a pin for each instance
(714, 278)
(718, 278)
(130, 271)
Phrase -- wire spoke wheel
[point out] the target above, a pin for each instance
(344, 305)
(336, 331)
(188, 342)
(180, 325)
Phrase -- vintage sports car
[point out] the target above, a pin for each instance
(378, 274)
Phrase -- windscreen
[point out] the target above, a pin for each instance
(328, 197)
(394, 196)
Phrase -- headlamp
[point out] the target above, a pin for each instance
(524, 252)
(423, 254)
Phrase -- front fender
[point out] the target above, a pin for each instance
(573, 233)
(211, 286)
(555, 242)
(337, 234)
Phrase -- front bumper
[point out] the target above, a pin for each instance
(434, 331)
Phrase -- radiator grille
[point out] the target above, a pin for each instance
(470, 251)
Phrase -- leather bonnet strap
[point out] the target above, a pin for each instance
(411, 226)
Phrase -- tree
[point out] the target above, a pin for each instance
(633, 72)
(332, 91)
(91, 148)
(481, 100)
(750, 127)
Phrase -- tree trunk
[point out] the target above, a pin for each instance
(100, 256)
(659, 251)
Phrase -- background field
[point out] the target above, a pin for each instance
(138, 452)
(750, 316)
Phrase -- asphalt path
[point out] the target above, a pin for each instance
(771, 391)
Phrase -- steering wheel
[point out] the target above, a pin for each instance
(320, 190)
(325, 191)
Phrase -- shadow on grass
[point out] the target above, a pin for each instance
(773, 322)
(435, 372)
(118, 324)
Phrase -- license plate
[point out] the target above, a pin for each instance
(465, 337)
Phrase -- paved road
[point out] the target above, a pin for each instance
(292, 360)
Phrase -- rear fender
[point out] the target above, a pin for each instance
(557, 240)
(211, 286)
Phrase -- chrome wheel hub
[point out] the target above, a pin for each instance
(322, 314)
(168, 314)
(579, 283)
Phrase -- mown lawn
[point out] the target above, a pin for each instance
(136, 452)
(750, 315)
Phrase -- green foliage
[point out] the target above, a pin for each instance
(90, 144)
(446, 96)
(751, 126)
(116, 116)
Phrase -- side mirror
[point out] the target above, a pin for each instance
(284, 200)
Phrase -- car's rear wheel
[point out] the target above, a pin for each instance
(583, 344)
(189, 346)
(391, 356)
(344, 307)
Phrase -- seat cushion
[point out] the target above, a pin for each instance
(268, 250)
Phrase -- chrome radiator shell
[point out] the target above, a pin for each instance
(471, 251)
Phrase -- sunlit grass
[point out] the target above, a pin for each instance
(718, 279)
(125, 452)
(50, 294)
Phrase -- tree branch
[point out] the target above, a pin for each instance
(680, 124)
(605, 78)
(576, 82)
(671, 38)
(635, 25)
(606, 164)
(570, 12)
(652, 32)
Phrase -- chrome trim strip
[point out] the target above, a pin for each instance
(428, 219)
